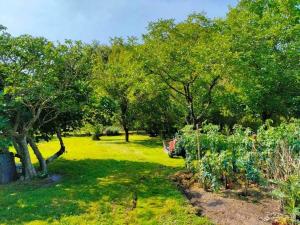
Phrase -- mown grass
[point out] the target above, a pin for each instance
(100, 181)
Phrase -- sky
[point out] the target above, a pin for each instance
(98, 20)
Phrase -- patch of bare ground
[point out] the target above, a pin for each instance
(50, 180)
(229, 207)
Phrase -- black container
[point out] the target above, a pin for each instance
(8, 171)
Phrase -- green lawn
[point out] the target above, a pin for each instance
(99, 182)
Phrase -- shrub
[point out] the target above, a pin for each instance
(209, 172)
(179, 147)
(98, 131)
(112, 131)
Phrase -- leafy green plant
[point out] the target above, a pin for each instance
(280, 149)
(180, 146)
(288, 192)
(248, 170)
(240, 156)
(210, 172)
(227, 162)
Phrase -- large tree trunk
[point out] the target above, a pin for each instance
(29, 169)
(39, 156)
(191, 118)
(208, 99)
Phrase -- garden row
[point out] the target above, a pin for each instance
(241, 158)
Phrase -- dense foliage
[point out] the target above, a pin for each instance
(230, 77)
(242, 157)
(4, 140)
(43, 90)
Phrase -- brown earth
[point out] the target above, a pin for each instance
(229, 207)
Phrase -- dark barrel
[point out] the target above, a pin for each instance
(8, 171)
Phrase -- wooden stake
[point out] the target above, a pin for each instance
(198, 142)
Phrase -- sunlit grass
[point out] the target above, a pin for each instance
(99, 182)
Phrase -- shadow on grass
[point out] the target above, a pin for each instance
(83, 182)
(151, 143)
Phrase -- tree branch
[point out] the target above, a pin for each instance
(60, 151)
(167, 82)
(205, 105)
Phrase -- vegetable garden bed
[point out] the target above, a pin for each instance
(230, 207)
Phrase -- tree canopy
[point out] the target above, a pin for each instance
(241, 69)
(41, 83)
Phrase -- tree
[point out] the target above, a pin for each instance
(120, 73)
(187, 58)
(156, 111)
(36, 76)
(264, 37)
(101, 110)
(74, 70)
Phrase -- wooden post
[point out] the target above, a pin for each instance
(198, 142)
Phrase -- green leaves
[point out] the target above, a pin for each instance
(186, 58)
(4, 140)
(289, 193)
(263, 37)
(241, 157)
(41, 81)
(117, 76)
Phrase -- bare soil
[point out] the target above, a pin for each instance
(229, 207)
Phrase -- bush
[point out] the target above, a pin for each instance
(98, 131)
(112, 131)
(179, 147)
(209, 172)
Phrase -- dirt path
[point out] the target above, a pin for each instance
(225, 209)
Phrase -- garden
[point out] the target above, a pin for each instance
(246, 162)
(194, 122)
